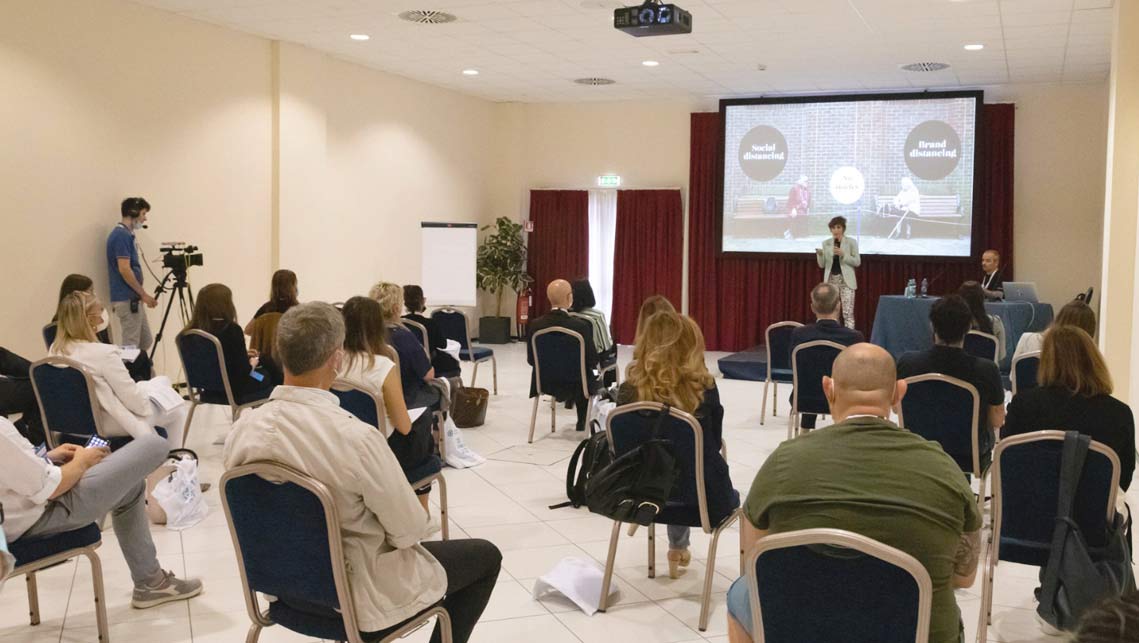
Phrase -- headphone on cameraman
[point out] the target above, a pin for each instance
(132, 207)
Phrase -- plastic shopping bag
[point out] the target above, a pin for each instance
(459, 455)
(180, 496)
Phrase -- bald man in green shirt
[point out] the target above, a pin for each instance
(866, 475)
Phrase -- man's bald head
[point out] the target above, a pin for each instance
(864, 380)
(560, 293)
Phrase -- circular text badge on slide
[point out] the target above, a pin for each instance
(763, 153)
(847, 185)
(933, 150)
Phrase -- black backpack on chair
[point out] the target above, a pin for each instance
(591, 456)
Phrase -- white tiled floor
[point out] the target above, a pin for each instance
(504, 501)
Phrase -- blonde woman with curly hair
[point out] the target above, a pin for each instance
(669, 367)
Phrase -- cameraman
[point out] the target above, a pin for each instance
(125, 273)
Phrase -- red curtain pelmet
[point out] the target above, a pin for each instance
(734, 299)
(558, 248)
(648, 254)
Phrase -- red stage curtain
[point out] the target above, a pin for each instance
(735, 299)
(648, 254)
(558, 248)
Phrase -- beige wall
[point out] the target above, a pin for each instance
(105, 100)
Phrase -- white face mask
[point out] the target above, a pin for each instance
(104, 322)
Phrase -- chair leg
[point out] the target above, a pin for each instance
(607, 579)
(33, 598)
(474, 374)
(100, 596)
(763, 404)
(533, 419)
(652, 550)
(553, 414)
(494, 372)
(189, 423)
(790, 425)
(443, 519)
(710, 572)
(254, 633)
(441, 438)
(774, 399)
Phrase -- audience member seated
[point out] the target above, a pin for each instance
(1112, 620)
(951, 318)
(560, 294)
(215, 314)
(974, 297)
(415, 370)
(368, 364)
(866, 475)
(1075, 395)
(65, 490)
(826, 303)
(126, 408)
(392, 575)
(140, 367)
(669, 368)
(584, 302)
(17, 395)
(1074, 313)
(283, 294)
(445, 365)
(649, 307)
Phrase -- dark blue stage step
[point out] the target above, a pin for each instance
(749, 365)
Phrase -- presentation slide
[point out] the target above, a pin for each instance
(898, 167)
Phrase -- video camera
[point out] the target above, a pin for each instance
(179, 256)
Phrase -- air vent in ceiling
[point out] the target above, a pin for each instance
(427, 17)
(594, 81)
(926, 66)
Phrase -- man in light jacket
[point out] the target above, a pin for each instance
(838, 257)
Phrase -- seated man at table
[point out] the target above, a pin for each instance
(951, 319)
(866, 475)
(825, 302)
(991, 280)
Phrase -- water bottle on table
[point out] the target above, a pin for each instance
(911, 288)
(924, 288)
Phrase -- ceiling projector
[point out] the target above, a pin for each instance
(653, 18)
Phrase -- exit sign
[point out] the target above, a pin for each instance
(609, 181)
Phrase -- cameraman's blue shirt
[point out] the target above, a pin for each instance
(120, 243)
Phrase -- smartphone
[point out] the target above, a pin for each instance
(257, 376)
(97, 442)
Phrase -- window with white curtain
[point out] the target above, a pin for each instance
(602, 238)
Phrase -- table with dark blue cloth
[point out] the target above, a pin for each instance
(902, 324)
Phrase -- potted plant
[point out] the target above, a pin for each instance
(501, 266)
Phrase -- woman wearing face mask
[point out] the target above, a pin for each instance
(124, 405)
(141, 368)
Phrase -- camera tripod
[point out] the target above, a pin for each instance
(180, 290)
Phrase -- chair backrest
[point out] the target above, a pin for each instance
(1026, 482)
(810, 361)
(560, 353)
(872, 593)
(777, 340)
(48, 332)
(945, 410)
(420, 332)
(981, 345)
(630, 425)
(453, 324)
(263, 334)
(65, 393)
(302, 564)
(1024, 369)
(366, 406)
(204, 363)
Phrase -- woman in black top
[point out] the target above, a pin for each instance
(215, 314)
(445, 365)
(282, 294)
(141, 368)
(1075, 395)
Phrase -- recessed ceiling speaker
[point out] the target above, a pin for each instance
(427, 17)
(925, 66)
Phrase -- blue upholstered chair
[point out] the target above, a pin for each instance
(560, 354)
(1026, 483)
(947, 410)
(630, 425)
(48, 332)
(453, 324)
(777, 344)
(810, 361)
(302, 565)
(204, 364)
(35, 554)
(420, 332)
(868, 592)
(369, 408)
(981, 345)
(65, 393)
(1024, 370)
